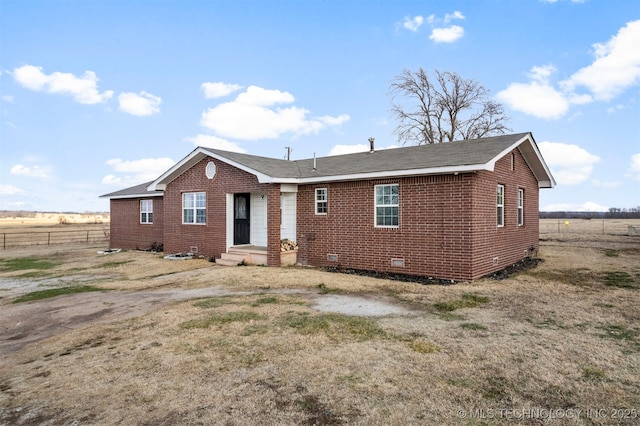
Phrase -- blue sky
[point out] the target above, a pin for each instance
(96, 96)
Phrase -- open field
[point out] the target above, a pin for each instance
(189, 342)
(53, 229)
(21, 219)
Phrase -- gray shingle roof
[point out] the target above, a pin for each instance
(451, 157)
(133, 192)
(452, 154)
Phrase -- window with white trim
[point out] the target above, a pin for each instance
(146, 211)
(321, 201)
(500, 205)
(194, 208)
(387, 206)
(520, 207)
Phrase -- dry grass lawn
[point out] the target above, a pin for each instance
(564, 336)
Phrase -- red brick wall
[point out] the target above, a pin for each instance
(210, 239)
(447, 224)
(126, 231)
(497, 247)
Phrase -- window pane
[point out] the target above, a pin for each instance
(150, 217)
(201, 215)
(201, 200)
(187, 201)
(188, 216)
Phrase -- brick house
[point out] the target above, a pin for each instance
(459, 210)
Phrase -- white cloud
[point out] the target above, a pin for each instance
(634, 168)
(141, 104)
(615, 108)
(7, 98)
(447, 35)
(569, 164)
(536, 98)
(589, 206)
(412, 24)
(605, 184)
(542, 73)
(136, 171)
(616, 67)
(258, 96)
(31, 171)
(448, 17)
(210, 141)
(10, 190)
(334, 121)
(219, 89)
(84, 89)
(255, 114)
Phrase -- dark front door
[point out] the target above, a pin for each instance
(241, 219)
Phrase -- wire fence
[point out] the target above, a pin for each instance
(47, 238)
(590, 226)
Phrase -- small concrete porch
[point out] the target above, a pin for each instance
(249, 254)
(254, 255)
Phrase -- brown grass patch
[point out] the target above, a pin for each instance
(557, 337)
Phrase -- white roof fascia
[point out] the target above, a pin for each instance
(120, 197)
(395, 173)
(262, 178)
(546, 181)
(159, 183)
(195, 156)
(505, 151)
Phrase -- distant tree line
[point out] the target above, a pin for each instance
(613, 213)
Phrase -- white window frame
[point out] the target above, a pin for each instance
(384, 201)
(500, 206)
(520, 207)
(146, 212)
(319, 202)
(196, 204)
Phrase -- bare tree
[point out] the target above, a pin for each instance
(448, 108)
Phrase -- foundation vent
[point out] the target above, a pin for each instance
(397, 262)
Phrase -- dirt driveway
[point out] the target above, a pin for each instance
(25, 323)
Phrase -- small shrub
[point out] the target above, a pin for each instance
(610, 253)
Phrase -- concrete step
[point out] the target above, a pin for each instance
(228, 259)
